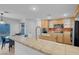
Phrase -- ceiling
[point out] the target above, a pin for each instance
(27, 11)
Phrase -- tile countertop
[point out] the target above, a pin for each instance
(47, 47)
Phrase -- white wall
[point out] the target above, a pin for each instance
(30, 28)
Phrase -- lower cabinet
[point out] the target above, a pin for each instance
(58, 37)
(67, 38)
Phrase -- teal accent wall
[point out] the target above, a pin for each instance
(4, 30)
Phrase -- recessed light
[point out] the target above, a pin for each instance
(34, 8)
(65, 15)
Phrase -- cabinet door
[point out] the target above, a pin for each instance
(53, 37)
(44, 23)
(60, 37)
(67, 38)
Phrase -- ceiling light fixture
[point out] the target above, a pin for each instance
(1, 21)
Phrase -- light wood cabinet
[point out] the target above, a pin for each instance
(67, 38)
(44, 23)
(60, 37)
(53, 37)
(57, 37)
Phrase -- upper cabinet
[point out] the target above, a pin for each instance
(44, 24)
